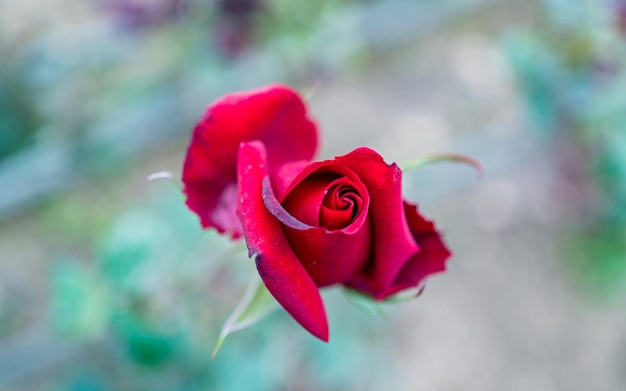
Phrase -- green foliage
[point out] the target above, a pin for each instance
(134, 242)
(19, 119)
(599, 259)
(148, 342)
(538, 79)
(158, 289)
(80, 301)
(256, 304)
(572, 73)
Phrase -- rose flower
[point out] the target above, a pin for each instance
(248, 172)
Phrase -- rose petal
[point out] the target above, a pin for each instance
(286, 177)
(329, 255)
(305, 201)
(281, 271)
(431, 258)
(393, 243)
(276, 209)
(334, 219)
(341, 205)
(275, 115)
(291, 195)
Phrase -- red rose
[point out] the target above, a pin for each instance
(308, 224)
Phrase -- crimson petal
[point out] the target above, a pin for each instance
(281, 271)
(275, 115)
(329, 255)
(393, 243)
(431, 259)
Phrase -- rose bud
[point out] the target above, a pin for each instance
(309, 224)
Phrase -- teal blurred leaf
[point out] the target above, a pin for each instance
(19, 119)
(147, 343)
(606, 112)
(539, 72)
(134, 248)
(79, 301)
(600, 260)
(256, 304)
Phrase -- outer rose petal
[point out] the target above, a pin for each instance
(330, 257)
(278, 266)
(275, 115)
(431, 259)
(392, 242)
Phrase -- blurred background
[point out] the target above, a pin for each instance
(108, 283)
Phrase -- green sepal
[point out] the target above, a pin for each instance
(368, 304)
(443, 157)
(255, 304)
(165, 175)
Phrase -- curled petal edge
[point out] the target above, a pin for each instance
(277, 210)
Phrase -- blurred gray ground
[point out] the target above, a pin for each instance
(507, 315)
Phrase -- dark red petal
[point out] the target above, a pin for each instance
(392, 242)
(286, 176)
(430, 260)
(305, 201)
(341, 205)
(281, 271)
(334, 219)
(292, 194)
(275, 115)
(331, 257)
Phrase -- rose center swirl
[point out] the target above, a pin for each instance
(340, 206)
(328, 199)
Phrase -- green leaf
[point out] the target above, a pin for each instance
(540, 76)
(368, 304)
(597, 256)
(133, 247)
(79, 302)
(443, 157)
(255, 305)
(364, 303)
(148, 341)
